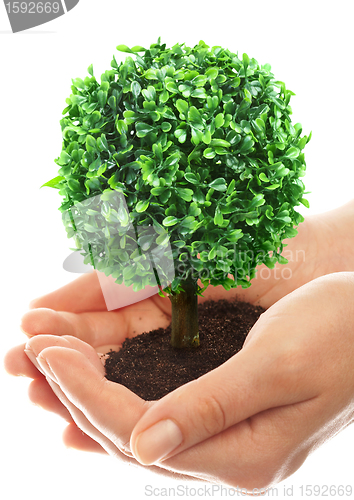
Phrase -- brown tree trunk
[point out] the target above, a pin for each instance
(185, 332)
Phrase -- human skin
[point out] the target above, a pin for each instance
(253, 435)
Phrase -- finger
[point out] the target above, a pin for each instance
(83, 423)
(36, 344)
(74, 437)
(100, 400)
(121, 408)
(96, 328)
(82, 294)
(17, 363)
(41, 394)
(257, 452)
(271, 370)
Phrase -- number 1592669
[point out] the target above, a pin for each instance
(33, 7)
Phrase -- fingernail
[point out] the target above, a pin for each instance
(157, 441)
(43, 363)
(32, 357)
(30, 354)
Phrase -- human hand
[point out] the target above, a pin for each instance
(249, 423)
(78, 309)
(323, 245)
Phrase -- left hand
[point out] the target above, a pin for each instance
(249, 423)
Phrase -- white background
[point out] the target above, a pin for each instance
(309, 46)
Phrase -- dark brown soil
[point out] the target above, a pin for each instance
(150, 367)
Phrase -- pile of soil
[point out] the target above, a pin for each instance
(150, 367)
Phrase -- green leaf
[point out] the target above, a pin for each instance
(212, 253)
(91, 144)
(141, 206)
(121, 126)
(149, 93)
(169, 221)
(218, 184)
(219, 120)
(142, 129)
(54, 183)
(79, 83)
(123, 48)
(157, 191)
(64, 158)
(172, 87)
(102, 98)
(163, 239)
(260, 123)
(185, 193)
(182, 106)
(194, 116)
(123, 216)
(220, 143)
(194, 210)
(177, 49)
(211, 73)
(136, 89)
(246, 60)
(112, 102)
(207, 137)
(197, 136)
(247, 144)
(200, 80)
(163, 97)
(191, 177)
(90, 228)
(263, 177)
(166, 126)
(199, 94)
(209, 153)
(137, 48)
(218, 218)
(181, 135)
(292, 153)
(231, 187)
(74, 185)
(234, 235)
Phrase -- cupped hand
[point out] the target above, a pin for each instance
(249, 423)
(78, 311)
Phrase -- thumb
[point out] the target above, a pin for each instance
(266, 373)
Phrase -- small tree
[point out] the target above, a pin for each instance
(199, 145)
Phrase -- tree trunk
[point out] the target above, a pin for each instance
(184, 324)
